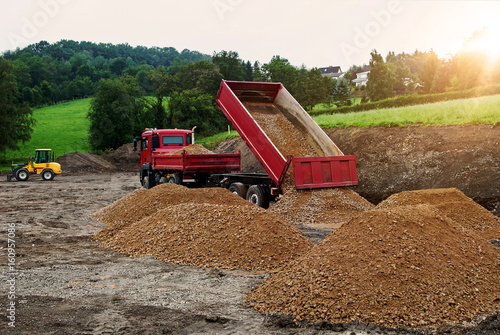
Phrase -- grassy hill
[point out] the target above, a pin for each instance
(62, 128)
(481, 110)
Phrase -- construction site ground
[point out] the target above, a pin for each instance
(68, 282)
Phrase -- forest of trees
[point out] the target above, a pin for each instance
(45, 73)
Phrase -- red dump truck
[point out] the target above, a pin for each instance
(239, 102)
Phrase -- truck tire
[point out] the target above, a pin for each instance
(22, 174)
(145, 182)
(48, 174)
(148, 181)
(238, 189)
(174, 179)
(257, 197)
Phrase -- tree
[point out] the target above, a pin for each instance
(380, 79)
(257, 72)
(196, 108)
(201, 75)
(312, 88)
(429, 72)
(118, 65)
(16, 119)
(342, 92)
(115, 113)
(229, 64)
(280, 70)
(248, 71)
(162, 85)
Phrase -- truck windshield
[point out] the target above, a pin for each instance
(173, 140)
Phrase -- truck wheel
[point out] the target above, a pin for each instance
(174, 179)
(48, 174)
(145, 182)
(22, 175)
(256, 196)
(238, 189)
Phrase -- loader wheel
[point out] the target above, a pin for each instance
(238, 189)
(48, 174)
(22, 175)
(256, 196)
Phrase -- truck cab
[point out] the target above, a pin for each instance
(162, 141)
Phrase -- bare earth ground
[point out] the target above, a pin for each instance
(68, 284)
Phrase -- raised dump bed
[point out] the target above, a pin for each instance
(275, 126)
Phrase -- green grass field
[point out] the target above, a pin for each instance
(62, 128)
(482, 110)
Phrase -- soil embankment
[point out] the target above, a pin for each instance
(392, 160)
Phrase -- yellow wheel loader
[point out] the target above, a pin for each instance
(43, 165)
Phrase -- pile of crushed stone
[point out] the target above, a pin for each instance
(77, 162)
(201, 227)
(406, 265)
(455, 205)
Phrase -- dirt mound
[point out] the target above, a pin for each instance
(329, 207)
(77, 162)
(142, 203)
(454, 204)
(202, 227)
(208, 235)
(249, 164)
(124, 158)
(399, 266)
(396, 159)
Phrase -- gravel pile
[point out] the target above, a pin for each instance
(200, 227)
(399, 266)
(455, 205)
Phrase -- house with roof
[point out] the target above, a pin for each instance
(362, 77)
(331, 71)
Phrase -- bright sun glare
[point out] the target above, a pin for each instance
(486, 41)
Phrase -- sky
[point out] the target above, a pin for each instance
(314, 33)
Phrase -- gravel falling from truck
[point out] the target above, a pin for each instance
(325, 207)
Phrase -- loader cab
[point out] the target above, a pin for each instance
(43, 156)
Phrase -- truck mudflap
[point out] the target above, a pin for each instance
(322, 172)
